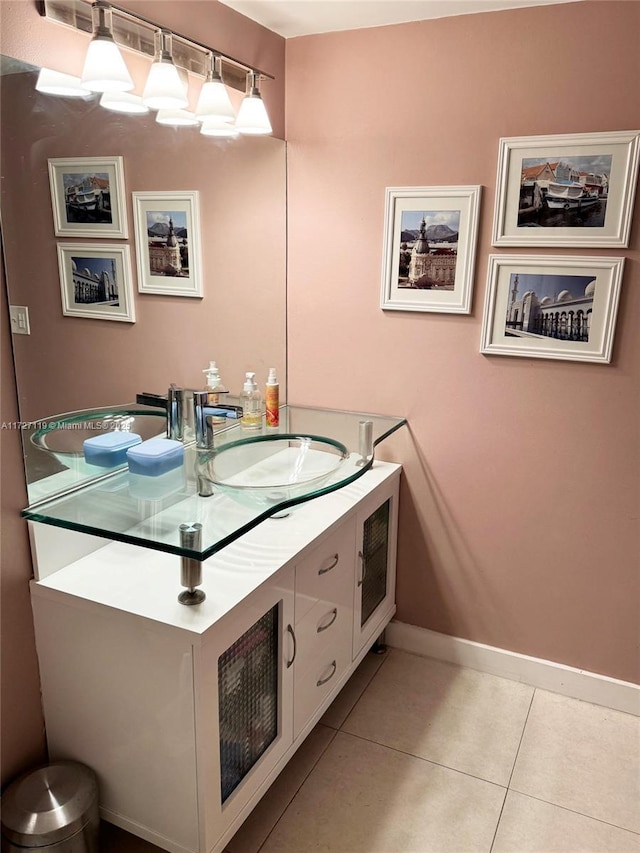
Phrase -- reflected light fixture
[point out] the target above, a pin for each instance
(104, 68)
(218, 127)
(123, 102)
(164, 90)
(56, 83)
(214, 100)
(177, 118)
(252, 115)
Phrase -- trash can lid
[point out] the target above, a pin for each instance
(49, 804)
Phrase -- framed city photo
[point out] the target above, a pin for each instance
(429, 248)
(551, 307)
(168, 243)
(96, 281)
(87, 194)
(572, 190)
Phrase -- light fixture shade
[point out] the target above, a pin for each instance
(252, 116)
(177, 118)
(164, 89)
(104, 68)
(123, 102)
(218, 127)
(214, 101)
(56, 83)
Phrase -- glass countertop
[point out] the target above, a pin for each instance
(148, 511)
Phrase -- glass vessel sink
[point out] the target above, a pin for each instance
(267, 470)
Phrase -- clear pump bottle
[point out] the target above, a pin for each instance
(251, 403)
(214, 388)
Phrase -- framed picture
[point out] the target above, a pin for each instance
(88, 198)
(168, 243)
(96, 281)
(551, 307)
(429, 248)
(573, 190)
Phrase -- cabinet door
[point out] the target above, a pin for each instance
(324, 622)
(245, 707)
(375, 565)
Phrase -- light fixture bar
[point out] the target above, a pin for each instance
(137, 33)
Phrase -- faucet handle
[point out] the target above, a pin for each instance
(202, 422)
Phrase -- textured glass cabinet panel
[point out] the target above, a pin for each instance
(248, 700)
(375, 551)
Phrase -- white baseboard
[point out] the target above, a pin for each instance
(546, 674)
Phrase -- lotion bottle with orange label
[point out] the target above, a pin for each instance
(272, 399)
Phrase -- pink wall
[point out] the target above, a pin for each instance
(519, 512)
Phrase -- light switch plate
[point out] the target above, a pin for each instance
(19, 319)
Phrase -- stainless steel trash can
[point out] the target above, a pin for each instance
(53, 809)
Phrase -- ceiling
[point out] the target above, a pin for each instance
(292, 18)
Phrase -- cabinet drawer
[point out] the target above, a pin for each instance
(327, 573)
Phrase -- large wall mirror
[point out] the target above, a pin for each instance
(72, 362)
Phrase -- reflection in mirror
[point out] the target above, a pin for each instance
(70, 363)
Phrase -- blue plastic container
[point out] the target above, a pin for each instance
(109, 449)
(155, 457)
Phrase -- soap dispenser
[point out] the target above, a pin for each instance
(214, 386)
(251, 403)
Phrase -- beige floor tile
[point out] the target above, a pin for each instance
(583, 757)
(531, 826)
(457, 717)
(263, 818)
(365, 798)
(342, 705)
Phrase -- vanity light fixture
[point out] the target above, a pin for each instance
(177, 118)
(104, 68)
(252, 116)
(214, 100)
(56, 83)
(123, 102)
(164, 90)
(216, 127)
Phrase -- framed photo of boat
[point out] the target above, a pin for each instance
(95, 281)
(87, 194)
(167, 228)
(560, 307)
(570, 190)
(429, 250)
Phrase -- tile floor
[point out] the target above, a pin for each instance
(419, 756)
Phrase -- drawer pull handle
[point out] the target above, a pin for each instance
(322, 681)
(336, 560)
(364, 568)
(334, 615)
(295, 645)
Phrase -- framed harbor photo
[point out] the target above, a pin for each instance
(87, 194)
(168, 243)
(95, 281)
(429, 248)
(551, 307)
(571, 190)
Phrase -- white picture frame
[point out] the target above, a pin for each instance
(167, 229)
(96, 281)
(557, 307)
(88, 197)
(441, 278)
(571, 190)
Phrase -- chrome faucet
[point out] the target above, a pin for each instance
(204, 440)
(175, 413)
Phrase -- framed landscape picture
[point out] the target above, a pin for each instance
(87, 194)
(429, 248)
(571, 190)
(168, 243)
(551, 307)
(95, 281)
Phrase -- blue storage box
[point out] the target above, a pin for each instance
(109, 449)
(155, 456)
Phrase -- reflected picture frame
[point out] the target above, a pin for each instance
(88, 197)
(557, 307)
(429, 248)
(168, 253)
(96, 281)
(569, 190)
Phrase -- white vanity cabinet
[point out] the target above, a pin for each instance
(187, 714)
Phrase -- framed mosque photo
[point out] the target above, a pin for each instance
(167, 226)
(429, 248)
(551, 307)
